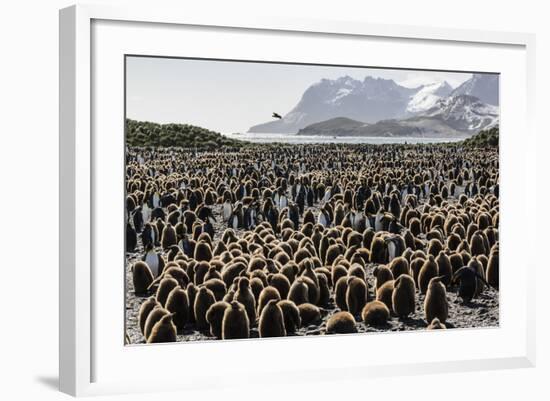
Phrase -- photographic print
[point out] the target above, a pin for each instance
(269, 199)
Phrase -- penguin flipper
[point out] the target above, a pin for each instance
(458, 274)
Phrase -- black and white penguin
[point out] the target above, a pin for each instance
(208, 227)
(187, 245)
(149, 236)
(324, 218)
(468, 280)
(282, 199)
(294, 214)
(249, 216)
(310, 197)
(131, 238)
(227, 210)
(154, 260)
(236, 219)
(137, 217)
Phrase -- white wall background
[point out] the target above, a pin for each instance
(29, 195)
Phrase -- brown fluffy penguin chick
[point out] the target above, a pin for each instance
(214, 317)
(271, 322)
(299, 292)
(217, 287)
(340, 290)
(375, 313)
(385, 292)
(257, 286)
(290, 270)
(378, 251)
(492, 269)
(427, 272)
(312, 287)
(404, 296)
(399, 266)
(310, 273)
(382, 274)
(291, 315)
(141, 277)
(144, 310)
(478, 267)
(436, 325)
(164, 331)
(337, 272)
(203, 301)
(154, 316)
(444, 268)
(245, 296)
(434, 247)
(231, 271)
(235, 322)
(169, 237)
(356, 295)
(200, 270)
(203, 252)
(341, 323)
(192, 291)
(324, 290)
(176, 272)
(268, 293)
(358, 271)
(167, 284)
(230, 295)
(177, 303)
(280, 282)
(436, 304)
(261, 275)
(333, 252)
(477, 246)
(456, 262)
(416, 264)
(212, 273)
(309, 314)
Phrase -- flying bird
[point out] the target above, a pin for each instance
(275, 115)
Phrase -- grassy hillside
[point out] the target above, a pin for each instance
(144, 133)
(483, 139)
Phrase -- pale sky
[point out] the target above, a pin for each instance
(229, 96)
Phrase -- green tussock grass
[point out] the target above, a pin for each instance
(483, 139)
(149, 134)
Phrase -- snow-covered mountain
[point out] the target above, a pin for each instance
(465, 113)
(374, 100)
(370, 100)
(482, 86)
(427, 96)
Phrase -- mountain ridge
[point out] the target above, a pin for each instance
(455, 116)
(374, 100)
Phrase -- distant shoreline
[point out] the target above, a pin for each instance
(313, 139)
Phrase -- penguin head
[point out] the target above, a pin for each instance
(235, 305)
(167, 319)
(244, 283)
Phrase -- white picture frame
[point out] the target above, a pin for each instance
(92, 38)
